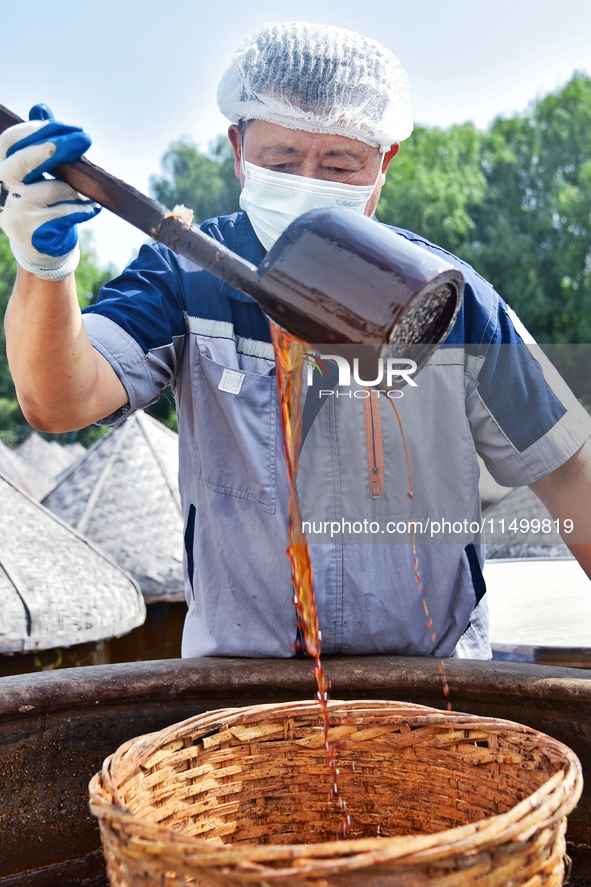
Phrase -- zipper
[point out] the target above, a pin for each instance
(374, 443)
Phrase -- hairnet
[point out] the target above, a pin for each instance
(318, 78)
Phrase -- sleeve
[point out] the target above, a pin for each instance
(525, 420)
(138, 325)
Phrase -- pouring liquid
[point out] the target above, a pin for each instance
(415, 557)
(290, 357)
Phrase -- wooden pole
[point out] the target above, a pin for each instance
(157, 221)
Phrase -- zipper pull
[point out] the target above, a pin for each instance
(375, 483)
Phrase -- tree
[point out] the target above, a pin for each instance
(515, 202)
(7, 275)
(203, 182)
(90, 276)
(532, 232)
(433, 184)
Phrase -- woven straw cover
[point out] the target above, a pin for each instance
(240, 797)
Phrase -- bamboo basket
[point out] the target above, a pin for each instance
(241, 797)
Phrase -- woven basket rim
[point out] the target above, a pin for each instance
(551, 801)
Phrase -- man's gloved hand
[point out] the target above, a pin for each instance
(40, 215)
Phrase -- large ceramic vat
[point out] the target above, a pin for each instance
(56, 728)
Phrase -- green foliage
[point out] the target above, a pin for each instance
(204, 183)
(90, 277)
(515, 202)
(532, 233)
(165, 410)
(433, 182)
(7, 275)
(13, 426)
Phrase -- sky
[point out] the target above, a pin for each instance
(139, 74)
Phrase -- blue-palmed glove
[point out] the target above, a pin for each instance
(40, 214)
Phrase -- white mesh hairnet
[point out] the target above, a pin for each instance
(318, 78)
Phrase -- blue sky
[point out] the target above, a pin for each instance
(138, 74)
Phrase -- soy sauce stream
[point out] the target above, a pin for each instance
(289, 354)
(415, 556)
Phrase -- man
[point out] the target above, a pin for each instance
(317, 116)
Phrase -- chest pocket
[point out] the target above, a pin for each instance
(236, 431)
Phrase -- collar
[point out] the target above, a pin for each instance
(246, 245)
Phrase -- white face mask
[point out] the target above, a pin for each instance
(273, 200)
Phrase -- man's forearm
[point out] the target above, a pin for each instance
(62, 383)
(566, 493)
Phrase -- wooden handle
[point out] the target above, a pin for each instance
(94, 182)
(156, 220)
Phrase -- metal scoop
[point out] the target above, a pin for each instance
(333, 277)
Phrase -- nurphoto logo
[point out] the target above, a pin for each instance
(391, 371)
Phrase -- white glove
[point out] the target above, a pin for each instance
(39, 214)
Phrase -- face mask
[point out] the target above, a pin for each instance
(273, 200)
